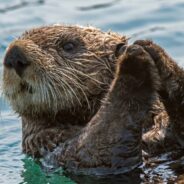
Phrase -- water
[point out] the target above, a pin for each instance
(159, 20)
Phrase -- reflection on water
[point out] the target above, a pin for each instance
(129, 178)
(160, 20)
(33, 174)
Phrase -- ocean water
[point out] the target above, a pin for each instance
(159, 20)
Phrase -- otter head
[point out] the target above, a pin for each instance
(55, 68)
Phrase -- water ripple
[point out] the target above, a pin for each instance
(159, 20)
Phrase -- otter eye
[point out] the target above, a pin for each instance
(68, 47)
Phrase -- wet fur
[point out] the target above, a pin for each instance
(111, 142)
(94, 103)
(67, 88)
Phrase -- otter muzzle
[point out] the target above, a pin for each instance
(16, 59)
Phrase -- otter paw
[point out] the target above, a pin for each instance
(29, 146)
(136, 62)
(138, 69)
(155, 51)
(135, 51)
(39, 143)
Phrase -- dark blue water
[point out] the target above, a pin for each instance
(159, 20)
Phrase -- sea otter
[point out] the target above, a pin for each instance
(91, 96)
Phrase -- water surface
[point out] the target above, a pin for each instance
(159, 20)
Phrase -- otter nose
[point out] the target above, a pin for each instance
(16, 59)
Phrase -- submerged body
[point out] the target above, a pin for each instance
(87, 93)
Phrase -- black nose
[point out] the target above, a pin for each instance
(16, 59)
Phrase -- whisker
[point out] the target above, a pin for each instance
(69, 87)
(78, 85)
(83, 74)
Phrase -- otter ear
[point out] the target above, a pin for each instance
(120, 48)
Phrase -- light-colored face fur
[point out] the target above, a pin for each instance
(69, 65)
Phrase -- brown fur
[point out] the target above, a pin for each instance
(66, 88)
(111, 141)
(69, 100)
(172, 78)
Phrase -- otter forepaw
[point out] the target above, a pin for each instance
(135, 54)
(29, 146)
(172, 76)
(137, 64)
(155, 51)
(37, 144)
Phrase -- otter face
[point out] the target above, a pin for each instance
(49, 69)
